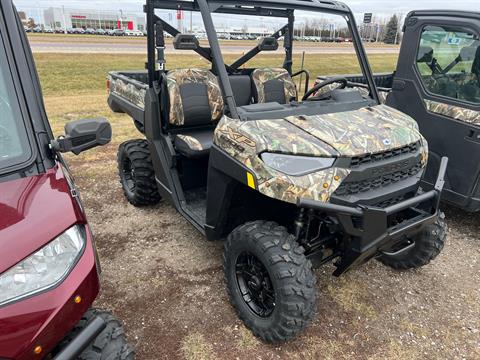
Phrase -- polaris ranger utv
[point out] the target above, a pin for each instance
(437, 82)
(290, 182)
(49, 268)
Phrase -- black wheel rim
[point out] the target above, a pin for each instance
(128, 174)
(255, 284)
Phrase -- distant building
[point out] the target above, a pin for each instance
(69, 18)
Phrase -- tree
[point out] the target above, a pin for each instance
(391, 30)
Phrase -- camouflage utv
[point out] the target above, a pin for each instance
(291, 183)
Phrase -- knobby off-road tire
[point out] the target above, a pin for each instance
(110, 344)
(136, 172)
(428, 244)
(291, 280)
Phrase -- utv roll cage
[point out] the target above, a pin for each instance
(266, 8)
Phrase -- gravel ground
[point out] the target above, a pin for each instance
(166, 283)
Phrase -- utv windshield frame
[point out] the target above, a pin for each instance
(267, 8)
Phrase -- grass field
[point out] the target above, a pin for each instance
(165, 281)
(65, 74)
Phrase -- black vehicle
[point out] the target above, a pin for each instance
(289, 182)
(437, 82)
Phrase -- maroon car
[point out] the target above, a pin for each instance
(49, 271)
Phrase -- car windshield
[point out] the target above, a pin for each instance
(14, 145)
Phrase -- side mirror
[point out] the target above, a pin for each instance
(81, 135)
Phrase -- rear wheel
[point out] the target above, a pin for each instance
(110, 344)
(136, 172)
(428, 244)
(269, 280)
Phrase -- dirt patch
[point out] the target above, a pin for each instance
(165, 281)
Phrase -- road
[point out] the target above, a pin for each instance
(113, 46)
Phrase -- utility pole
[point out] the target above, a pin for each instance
(64, 21)
(191, 22)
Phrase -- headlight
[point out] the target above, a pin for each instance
(296, 165)
(45, 268)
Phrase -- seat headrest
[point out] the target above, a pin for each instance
(468, 53)
(185, 42)
(425, 54)
(267, 43)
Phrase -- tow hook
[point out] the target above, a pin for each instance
(409, 246)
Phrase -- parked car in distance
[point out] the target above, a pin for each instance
(118, 32)
(137, 33)
(100, 32)
(48, 30)
(78, 31)
(90, 31)
(59, 31)
(37, 29)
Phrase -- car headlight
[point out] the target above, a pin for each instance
(296, 165)
(45, 268)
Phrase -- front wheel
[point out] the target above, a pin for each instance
(428, 244)
(269, 280)
(110, 344)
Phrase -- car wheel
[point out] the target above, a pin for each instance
(269, 280)
(136, 172)
(428, 244)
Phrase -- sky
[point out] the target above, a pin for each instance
(381, 8)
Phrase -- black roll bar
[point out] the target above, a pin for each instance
(217, 58)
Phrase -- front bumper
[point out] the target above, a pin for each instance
(368, 226)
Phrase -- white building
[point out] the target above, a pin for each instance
(70, 18)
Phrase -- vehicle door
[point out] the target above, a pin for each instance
(438, 84)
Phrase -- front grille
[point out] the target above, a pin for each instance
(355, 187)
(370, 158)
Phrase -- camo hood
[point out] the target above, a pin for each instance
(346, 134)
(364, 131)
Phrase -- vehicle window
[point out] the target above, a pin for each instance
(14, 144)
(448, 60)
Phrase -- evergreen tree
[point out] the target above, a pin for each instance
(391, 30)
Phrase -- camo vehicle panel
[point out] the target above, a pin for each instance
(455, 112)
(364, 131)
(244, 140)
(132, 93)
(192, 143)
(178, 77)
(261, 76)
(382, 94)
(347, 134)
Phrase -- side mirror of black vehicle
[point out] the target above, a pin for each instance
(81, 135)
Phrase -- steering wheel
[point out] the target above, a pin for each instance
(343, 84)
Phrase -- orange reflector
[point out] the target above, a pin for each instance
(38, 349)
(77, 299)
(337, 177)
(326, 185)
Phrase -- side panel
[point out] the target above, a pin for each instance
(447, 136)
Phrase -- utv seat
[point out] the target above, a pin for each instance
(273, 85)
(242, 89)
(196, 105)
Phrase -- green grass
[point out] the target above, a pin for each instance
(77, 74)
